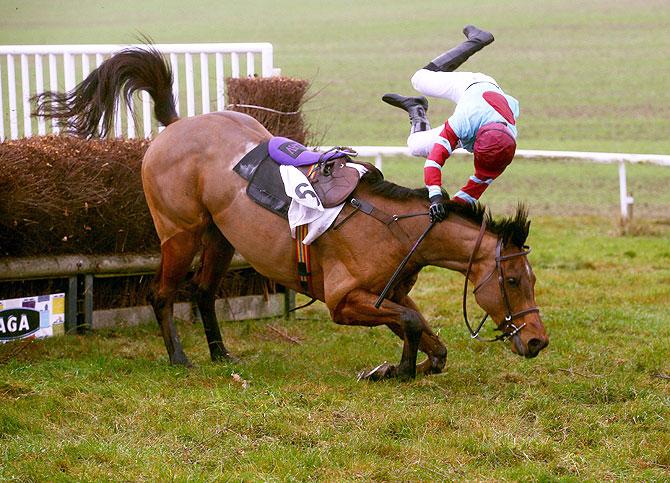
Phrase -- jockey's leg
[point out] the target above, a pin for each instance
(416, 107)
(452, 59)
(446, 85)
(421, 142)
(437, 78)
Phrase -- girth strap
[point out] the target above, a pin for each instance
(303, 259)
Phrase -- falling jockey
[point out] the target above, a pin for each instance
(484, 121)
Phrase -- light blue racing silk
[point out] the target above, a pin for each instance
(473, 111)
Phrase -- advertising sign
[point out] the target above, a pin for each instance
(32, 317)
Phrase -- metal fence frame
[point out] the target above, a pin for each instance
(81, 272)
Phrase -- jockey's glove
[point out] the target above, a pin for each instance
(437, 211)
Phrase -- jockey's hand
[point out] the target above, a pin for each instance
(437, 211)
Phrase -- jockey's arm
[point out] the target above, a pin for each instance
(432, 171)
(442, 149)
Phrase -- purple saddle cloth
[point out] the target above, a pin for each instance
(292, 153)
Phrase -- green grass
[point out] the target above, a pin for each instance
(589, 76)
(593, 406)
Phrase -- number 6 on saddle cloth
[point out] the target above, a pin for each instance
(330, 177)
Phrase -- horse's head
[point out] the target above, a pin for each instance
(506, 291)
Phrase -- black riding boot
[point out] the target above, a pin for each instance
(416, 107)
(452, 59)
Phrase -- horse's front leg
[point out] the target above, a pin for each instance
(357, 308)
(430, 344)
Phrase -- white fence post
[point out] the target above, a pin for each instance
(11, 90)
(625, 200)
(2, 110)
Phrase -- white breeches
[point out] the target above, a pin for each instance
(421, 142)
(445, 85)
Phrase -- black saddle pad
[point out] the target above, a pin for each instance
(265, 184)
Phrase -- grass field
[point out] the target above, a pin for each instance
(590, 76)
(595, 405)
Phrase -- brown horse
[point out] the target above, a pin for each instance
(198, 203)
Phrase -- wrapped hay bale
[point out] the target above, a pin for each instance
(276, 102)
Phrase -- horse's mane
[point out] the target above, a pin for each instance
(512, 229)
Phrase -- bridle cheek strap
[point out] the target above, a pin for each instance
(473, 333)
(509, 315)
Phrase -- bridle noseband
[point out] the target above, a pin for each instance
(508, 328)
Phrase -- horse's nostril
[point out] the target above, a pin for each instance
(536, 345)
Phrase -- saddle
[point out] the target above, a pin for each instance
(333, 181)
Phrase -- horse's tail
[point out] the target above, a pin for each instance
(88, 109)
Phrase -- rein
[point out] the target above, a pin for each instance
(509, 315)
(382, 295)
(508, 328)
(391, 221)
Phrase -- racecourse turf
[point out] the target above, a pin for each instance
(595, 405)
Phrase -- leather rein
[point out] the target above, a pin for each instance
(508, 328)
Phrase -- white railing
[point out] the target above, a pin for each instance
(199, 71)
(625, 199)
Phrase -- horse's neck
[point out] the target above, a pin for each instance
(452, 242)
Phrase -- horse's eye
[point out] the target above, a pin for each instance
(512, 282)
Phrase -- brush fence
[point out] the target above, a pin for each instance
(199, 71)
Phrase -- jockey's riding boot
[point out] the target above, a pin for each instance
(452, 59)
(416, 107)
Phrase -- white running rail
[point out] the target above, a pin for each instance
(626, 201)
(199, 71)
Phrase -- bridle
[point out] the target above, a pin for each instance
(508, 328)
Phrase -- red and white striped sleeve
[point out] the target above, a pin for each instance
(442, 149)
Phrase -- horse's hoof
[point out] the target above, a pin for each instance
(226, 358)
(181, 360)
(382, 371)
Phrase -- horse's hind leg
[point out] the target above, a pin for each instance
(176, 256)
(216, 256)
